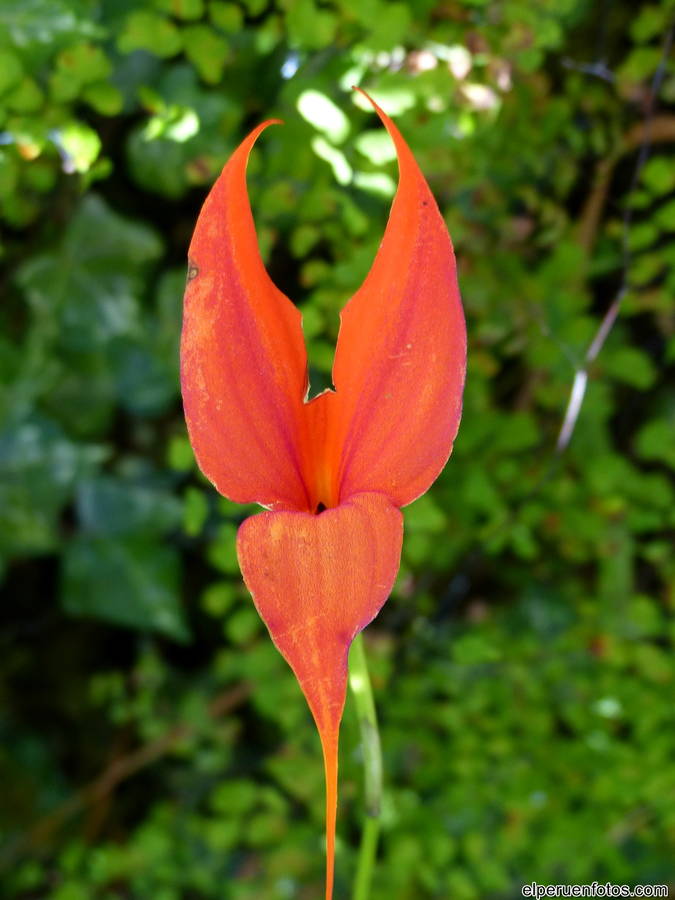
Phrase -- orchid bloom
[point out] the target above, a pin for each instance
(333, 471)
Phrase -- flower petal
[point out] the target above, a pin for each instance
(401, 352)
(243, 359)
(316, 582)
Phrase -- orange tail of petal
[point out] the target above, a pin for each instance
(325, 692)
(329, 743)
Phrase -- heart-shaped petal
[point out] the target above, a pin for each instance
(317, 580)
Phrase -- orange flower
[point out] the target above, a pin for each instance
(332, 472)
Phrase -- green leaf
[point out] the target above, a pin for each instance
(303, 239)
(630, 365)
(218, 598)
(9, 174)
(648, 23)
(207, 51)
(475, 649)
(335, 158)
(39, 469)
(45, 23)
(181, 9)
(642, 235)
(179, 454)
(656, 441)
(234, 797)
(394, 100)
(519, 432)
(222, 553)
(176, 123)
(478, 491)
(40, 175)
(195, 511)
(11, 70)
(423, 515)
(25, 97)
(392, 27)
(157, 165)
(105, 98)
(645, 269)
(80, 393)
(226, 16)
(640, 63)
(145, 379)
(80, 145)
(376, 146)
(243, 624)
(111, 507)
(84, 63)
(665, 216)
(377, 183)
(129, 581)
(171, 166)
(320, 111)
(88, 287)
(151, 31)
(310, 26)
(658, 175)
(367, 12)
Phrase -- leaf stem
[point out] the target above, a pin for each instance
(359, 683)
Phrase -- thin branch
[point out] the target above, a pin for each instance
(660, 129)
(597, 69)
(643, 135)
(580, 382)
(118, 771)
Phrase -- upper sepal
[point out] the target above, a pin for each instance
(243, 359)
(401, 352)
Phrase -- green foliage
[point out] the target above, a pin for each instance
(524, 666)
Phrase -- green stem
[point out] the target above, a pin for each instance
(359, 683)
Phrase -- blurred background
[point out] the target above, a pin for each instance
(153, 742)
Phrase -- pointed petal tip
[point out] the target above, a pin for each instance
(255, 133)
(360, 90)
(386, 120)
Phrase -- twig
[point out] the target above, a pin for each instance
(660, 129)
(642, 135)
(119, 770)
(580, 382)
(597, 69)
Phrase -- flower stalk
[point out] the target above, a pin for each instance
(362, 692)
